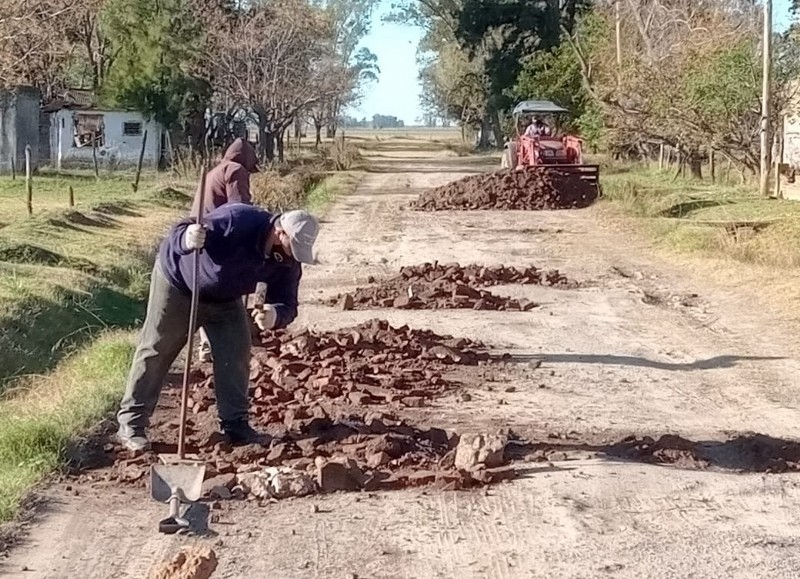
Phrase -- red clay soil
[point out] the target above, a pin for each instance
(449, 286)
(530, 189)
(330, 395)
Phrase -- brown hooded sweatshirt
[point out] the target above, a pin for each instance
(229, 182)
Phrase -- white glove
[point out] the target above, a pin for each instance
(265, 317)
(195, 237)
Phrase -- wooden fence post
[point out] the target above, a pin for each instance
(71, 197)
(94, 157)
(661, 156)
(13, 169)
(28, 180)
(712, 165)
(139, 164)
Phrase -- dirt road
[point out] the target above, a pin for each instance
(633, 351)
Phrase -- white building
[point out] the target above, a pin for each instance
(117, 135)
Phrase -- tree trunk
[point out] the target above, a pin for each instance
(280, 139)
(318, 129)
(486, 124)
(330, 131)
(498, 130)
(696, 165)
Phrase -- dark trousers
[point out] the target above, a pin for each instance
(164, 336)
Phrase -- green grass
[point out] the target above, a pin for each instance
(729, 221)
(39, 422)
(73, 283)
(319, 198)
(51, 191)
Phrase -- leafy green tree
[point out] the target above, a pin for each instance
(156, 43)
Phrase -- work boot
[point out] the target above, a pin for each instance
(133, 440)
(242, 433)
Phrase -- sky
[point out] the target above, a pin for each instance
(397, 90)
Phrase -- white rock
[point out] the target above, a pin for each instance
(476, 451)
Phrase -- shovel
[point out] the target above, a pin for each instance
(179, 479)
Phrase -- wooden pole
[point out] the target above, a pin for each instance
(94, 157)
(139, 164)
(28, 180)
(618, 28)
(60, 142)
(661, 156)
(13, 168)
(778, 161)
(765, 98)
(71, 197)
(712, 165)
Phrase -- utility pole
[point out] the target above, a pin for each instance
(618, 23)
(765, 99)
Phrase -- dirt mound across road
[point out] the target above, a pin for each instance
(528, 189)
(330, 400)
(449, 286)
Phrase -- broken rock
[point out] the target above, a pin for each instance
(337, 476)
(475, 451)
(277, 483)
(189, 563)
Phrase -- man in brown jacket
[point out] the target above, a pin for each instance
(228, 182)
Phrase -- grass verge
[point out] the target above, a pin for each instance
(38, 422)
(722, 221)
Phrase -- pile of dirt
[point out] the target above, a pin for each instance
(330, 402)
(449, 286)
(536, 188)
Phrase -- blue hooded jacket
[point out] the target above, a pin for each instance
(233, 260)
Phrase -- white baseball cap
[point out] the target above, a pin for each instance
(302, 229)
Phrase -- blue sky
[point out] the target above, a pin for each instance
(397, 91)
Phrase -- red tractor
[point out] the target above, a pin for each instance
(539, 144)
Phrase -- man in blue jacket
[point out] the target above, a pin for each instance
(241, 246)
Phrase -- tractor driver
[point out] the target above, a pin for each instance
(537, 128)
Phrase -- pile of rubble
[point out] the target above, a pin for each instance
(449, 286)
(530, 189)
(330, 402)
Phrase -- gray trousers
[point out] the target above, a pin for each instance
(164, 336)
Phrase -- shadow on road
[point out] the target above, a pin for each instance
(745, 453)
(714, 363)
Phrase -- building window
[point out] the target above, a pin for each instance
(132, 129)
(88, 128)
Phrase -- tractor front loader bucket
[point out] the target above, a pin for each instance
(589, 173)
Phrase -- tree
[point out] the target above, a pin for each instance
(690, 76)
(156, 43)
(454, 86)
(454, 80)
(33, 50)
(348, 68)
(85, 31)
(505, 34)
(268, 57)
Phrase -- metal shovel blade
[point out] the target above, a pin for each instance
(182, 480)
